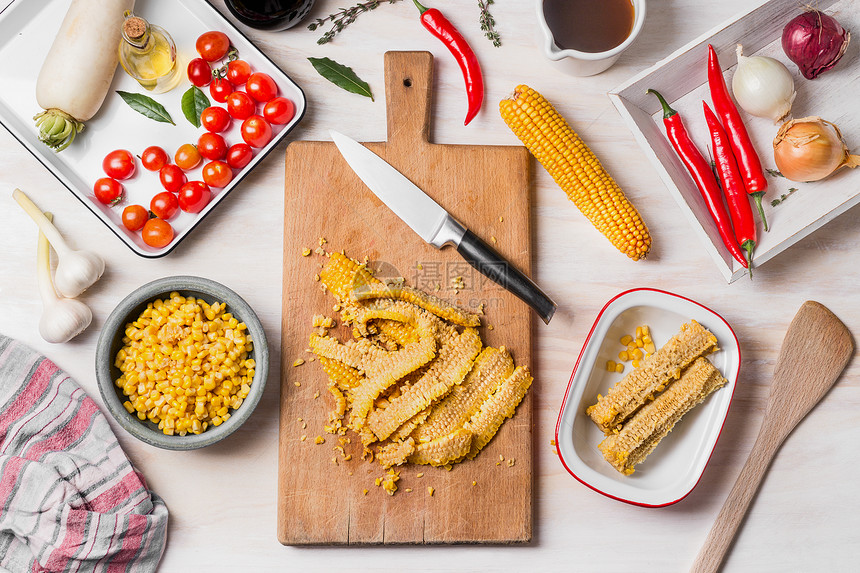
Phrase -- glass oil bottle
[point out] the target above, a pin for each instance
(147, 53)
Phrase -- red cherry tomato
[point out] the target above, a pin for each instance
(164, 205)
(261, 87)
(256, 131)
(157, 233)
(239, 155)
(279, 110)
(238, 72)
(108, 191)
(193, 196)
(240, 105)
(119, 164)
(217, 174)
(187, 157)
(212, 146)
(134, 217)
(213, 46)
(172, 178)
(215, 119)
(199, 72)
(154, 158)
(219, 89)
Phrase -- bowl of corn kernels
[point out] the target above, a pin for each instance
(181, 362)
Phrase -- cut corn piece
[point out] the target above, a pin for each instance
(428, 302)
(495, 409)
(449, 449)
(395, 453)
(342, 274)
(576, 170)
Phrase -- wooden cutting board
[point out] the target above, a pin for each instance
(485, 500)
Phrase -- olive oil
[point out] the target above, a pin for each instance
(589, 25)
(147, 53)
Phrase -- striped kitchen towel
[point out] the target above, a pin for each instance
(69, 498)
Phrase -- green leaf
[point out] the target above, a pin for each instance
(147, 106)
(341, 76)
(194, 101)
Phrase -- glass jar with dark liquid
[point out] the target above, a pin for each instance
(271, 15)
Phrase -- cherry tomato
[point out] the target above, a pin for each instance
(199, 72)
(172, 178)
(212, 146)
(213, 46)
(261, 87)
(215, 119)
(108, 191)
(240, 105)
(119, 164)
(157, 233)
(164, 205)
(219, 89)
(238, 72)
(217, 174)
(154, 158)
(187, 157)
(134, 217)
(279, 110)
(256, 131)
(193, 196)
(239, 155)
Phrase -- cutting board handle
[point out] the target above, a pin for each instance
(408, 85)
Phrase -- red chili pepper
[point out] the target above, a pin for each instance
(733, 185)
(440, 27)
(741, 145)
(702, 175)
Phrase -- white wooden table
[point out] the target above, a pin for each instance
(222, 498)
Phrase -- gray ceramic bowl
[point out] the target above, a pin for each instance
(110, 341)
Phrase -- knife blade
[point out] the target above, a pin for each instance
(435, 225)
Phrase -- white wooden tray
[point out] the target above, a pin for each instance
(23, 47)
(682, 79)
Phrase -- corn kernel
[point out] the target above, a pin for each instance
(619, 368)
(610, 366)
(626, 339)
(623, 356)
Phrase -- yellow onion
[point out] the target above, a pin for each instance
(811, 148)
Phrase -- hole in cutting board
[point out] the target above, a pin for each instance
(407, 82)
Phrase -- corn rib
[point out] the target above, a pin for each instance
(341, 275)
(652, 376)
(576, 170)
(395, 453)
(450, 367)
(641, 434)
(495, 409)
(449, 449)
(491, 367)
(341, 375)
(428, 302)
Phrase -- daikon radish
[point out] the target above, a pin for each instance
(78, 71)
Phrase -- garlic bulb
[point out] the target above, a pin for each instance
(76, 270)
(763, 87)
(62, 318)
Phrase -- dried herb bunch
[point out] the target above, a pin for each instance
(488, 23)
(343, 18)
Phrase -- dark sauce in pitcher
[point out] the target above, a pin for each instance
(589, 25)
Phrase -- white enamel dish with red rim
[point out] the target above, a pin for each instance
(674, 468)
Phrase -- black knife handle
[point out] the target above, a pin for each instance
(491, 264)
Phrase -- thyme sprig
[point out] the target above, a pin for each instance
(343, 18)
(488, 23)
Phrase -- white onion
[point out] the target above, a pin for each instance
(763, 87)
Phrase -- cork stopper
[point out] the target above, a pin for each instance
(134, 27)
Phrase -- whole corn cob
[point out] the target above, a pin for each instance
(576, 170)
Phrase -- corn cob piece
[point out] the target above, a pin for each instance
(450, 367)
(328, 347)
(341, 375)
(400, 333)
(491, 368)
(395, 453)
(342, 274)
(641, 434)
(652, 376)
(339, 404)
(495, 409)
(428, 302)
(449, 449)
(409, 426)
(576, 170)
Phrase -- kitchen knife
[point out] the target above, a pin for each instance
(435, 225)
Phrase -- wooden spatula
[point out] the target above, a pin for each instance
(816, 349)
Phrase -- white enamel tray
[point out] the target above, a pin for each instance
(682, 79)
(673, 469)
(23, 47)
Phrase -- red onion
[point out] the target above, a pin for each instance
(815, 42)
